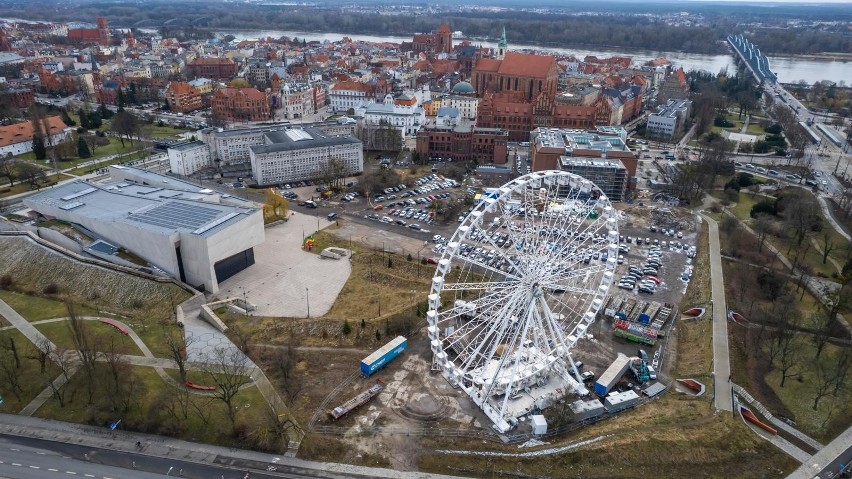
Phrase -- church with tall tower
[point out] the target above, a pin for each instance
(502, 45)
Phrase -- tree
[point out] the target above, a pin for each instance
(8, 168)
(67, 119)
(39, 150)
(177, 344)
(10, 374)
(239, 83)
(125, 125)
(825, 382)
(285, 359)
(828, 244)
(86, 348)
(83, 148)
(788, 347)
(104, 112)
(347, 328)
(228, 370)
(762, 226)
(30, 174)
(121, 100)
(166, 106)
(42, 350)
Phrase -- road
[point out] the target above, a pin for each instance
(826, 463)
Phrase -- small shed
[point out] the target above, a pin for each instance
(539, 424)
(617, 401)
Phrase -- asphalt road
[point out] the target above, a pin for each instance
(24, 458)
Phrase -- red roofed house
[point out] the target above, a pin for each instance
(217, 68)
(17, 139)
(240, 104)
(183, 97)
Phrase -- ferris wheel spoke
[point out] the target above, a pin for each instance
(478, 285)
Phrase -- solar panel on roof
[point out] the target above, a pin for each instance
(214, 224)
(78, 194)
(175, 215)
(71, 206)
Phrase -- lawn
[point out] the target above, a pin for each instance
(671, 437)
(694, 337)
(746, 201)
(31, 379)
(166, 131)
(155, 409)
(755, 129)
(22, 188)
(36, 308)
(105, 338)
(833, 415)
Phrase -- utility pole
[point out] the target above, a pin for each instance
(308, 302)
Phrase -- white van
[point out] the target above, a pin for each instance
(652, 373)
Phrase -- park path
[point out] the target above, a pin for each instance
(25, 327)
(721, 355)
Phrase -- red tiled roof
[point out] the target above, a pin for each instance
(527, 65)
(488, 65)
(212, 61)
(351, 85)
(21, 132)
(250, 93)
(180, 87)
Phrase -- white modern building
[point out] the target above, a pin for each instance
(187, 158)
(408, 119)
(293, 154)
(669, 120)
(194, 234)
(348, 94)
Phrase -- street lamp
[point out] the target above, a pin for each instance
(308, 301)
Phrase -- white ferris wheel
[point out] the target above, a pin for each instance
(518, 284)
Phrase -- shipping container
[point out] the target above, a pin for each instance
(383, 355)
(611, 376)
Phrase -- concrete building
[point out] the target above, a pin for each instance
(193, 234)
(187, 158)
(217, 68)
(407, 118)
(609, 175)
(296, 101)
(582, 410)
(203, 85)
(616, 401)
(300, 154)
(467, 105)
(669, 120)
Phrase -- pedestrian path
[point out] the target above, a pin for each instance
(825, 457)
(721, 355)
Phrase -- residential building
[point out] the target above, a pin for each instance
(203, 85)
(240, 104)
(17, 138)
(18, 97)
(193, 234)
(217, 68)
(300, 154)
(183, 97)
(467, 104)
(674, 87)
(348, 94)
(296, 101)
(463, 142)
(669, 120)
(188, 158)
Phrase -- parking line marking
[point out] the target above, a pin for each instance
(53, 470)
(35, 467)
(70, 472)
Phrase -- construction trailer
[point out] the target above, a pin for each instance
(385, 354)
(610, 377)
(619, 401)
(357, 401)
(582, 410)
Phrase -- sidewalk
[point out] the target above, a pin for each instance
(721, 355)
(160, 446)
(822, 459)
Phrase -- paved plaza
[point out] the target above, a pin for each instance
(285, 279)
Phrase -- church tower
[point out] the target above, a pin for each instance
(502, 45)
(103, 31)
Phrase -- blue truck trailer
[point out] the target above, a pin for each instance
(383, 355)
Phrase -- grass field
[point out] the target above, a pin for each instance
(31, 379)
(672, 437)
(153, 404)
(36, 308)
(694, 337)
(742, 209)
(106, 338)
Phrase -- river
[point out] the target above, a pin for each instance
(788, 69)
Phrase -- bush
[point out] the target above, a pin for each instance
(722, 122)
(6, 282)
(767, 206)
(51, 288)
(346, 328)
(774, 129)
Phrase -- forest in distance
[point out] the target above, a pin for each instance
(646, 32)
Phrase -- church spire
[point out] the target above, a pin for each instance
(502, 45)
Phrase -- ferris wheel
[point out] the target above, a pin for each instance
(518, 284)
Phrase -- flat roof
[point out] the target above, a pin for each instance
(157, 209)
(187, 146)
(290, 139)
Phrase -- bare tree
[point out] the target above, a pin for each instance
(762, 226)
(8, 168)
(11, 374)
(120, 385)
(41, 352)
(828, 245)
(228, 370)
(841, 372)
(788, 364)
(86, 349)
(825, 382)
(177, 346)
(59, 386)
(285, 360)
